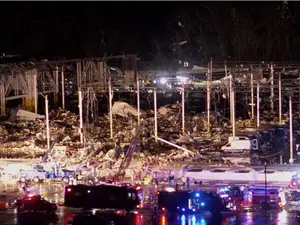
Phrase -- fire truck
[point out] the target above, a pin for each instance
(250, 198)
(295, 182)
(290, 199)
(233, 197)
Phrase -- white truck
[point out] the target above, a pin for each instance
(240, 144)
(238, 150)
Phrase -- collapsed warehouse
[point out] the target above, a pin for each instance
(164, 137)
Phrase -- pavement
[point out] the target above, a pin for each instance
(54, 193)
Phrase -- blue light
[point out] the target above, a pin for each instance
(202, 204)
(183, 220)
(197, 195)
(183, 209)
(194, 210)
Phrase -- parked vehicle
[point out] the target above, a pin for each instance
(36, 175)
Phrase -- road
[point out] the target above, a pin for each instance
(54, 193)
(10, 217)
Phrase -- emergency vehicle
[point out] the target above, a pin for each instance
(290, 199)
(253, 197)
(101, 197)
(295, 181)
(233, 197)
(172, 201)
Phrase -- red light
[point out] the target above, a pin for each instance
(30, 195)
(163, 209)
(69, 189)
(138, 188)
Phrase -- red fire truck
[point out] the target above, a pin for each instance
(259, 196)
(295, 182)
(233, 197)
(250, 198)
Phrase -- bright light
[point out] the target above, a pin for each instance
(224, 196)
(194, 210)
(197, 195)
(170, 189)
(89, 191)
(163, 209)
(154, 82)
(163, 80)
(183, 209)
(69, 189)
(30, 195)
(183, 220)
(202, 204)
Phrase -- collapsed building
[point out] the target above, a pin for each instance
(28, 139)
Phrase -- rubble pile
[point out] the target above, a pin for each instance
(28, 138)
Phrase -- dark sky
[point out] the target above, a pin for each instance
(222, 30)
(62, 28)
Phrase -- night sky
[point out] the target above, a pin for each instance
(55, 28)
(222, 30)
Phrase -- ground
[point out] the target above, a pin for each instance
(54, 193)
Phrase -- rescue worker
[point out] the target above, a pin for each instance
(177, 187)
(188, 183)
(183, 179)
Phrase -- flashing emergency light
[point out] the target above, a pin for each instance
(170, 189)
(197, 195)
(163, 80)
(202, 204)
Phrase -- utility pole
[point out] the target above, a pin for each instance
(208, 83)
(36, 95)
(110, 96)
(63, 87)
(80, 115)
(280, 100)
(183, 110)
(47, 122)
(138, 100)
(252, 95)
(272, 87)
(155, 115)
(257, 105)
(232, 107)
(291, 130)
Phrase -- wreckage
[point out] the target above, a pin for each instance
(27, 139)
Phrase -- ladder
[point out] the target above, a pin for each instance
(133, 147)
